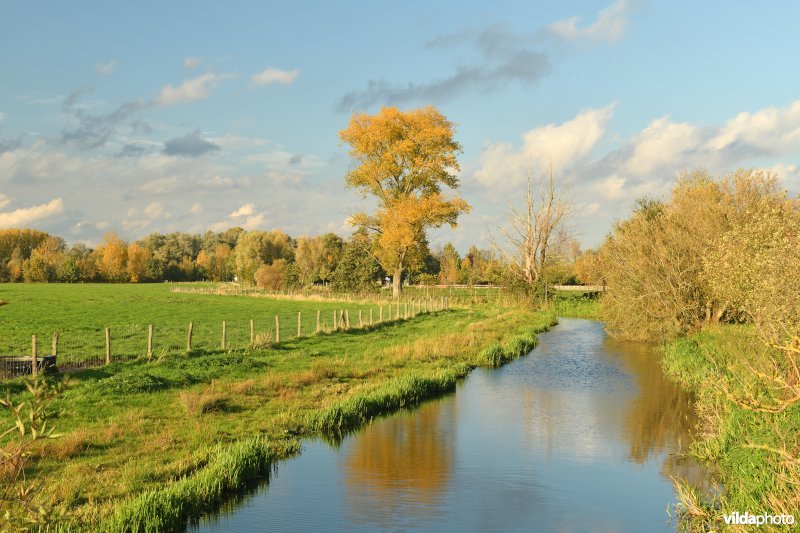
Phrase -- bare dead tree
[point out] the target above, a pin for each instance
(534, 232)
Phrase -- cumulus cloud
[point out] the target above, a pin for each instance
(609, 26)
(244, 211)
(105, 69)
(565, 145)
(767, 131)
(246, 216)
(660, 144)
(198, 88)
(27, 216)
(191, 145)
(271, 76)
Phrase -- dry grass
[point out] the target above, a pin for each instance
(204, 402)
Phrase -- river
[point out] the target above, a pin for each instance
(582, 434)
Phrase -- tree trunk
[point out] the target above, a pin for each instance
(397, 286)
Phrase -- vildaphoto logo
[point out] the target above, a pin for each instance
(745, 519)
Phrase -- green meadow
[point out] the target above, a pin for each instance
(153, 442)
(81, 312)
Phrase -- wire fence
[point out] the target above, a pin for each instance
(85, 347)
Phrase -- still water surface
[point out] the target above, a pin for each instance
(580, 435)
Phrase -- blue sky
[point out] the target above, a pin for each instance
(185, 116)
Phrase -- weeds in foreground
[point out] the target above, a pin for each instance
(21, 506)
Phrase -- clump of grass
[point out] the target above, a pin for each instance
(401, 392)
(264, 340)
(694, 511)
(204, 402)
(127, 383)
(169, 508)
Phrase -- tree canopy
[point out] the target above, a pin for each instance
(404, 159)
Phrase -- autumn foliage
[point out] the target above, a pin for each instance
(403, 160)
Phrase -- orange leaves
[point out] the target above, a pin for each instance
(404, 159)
(401, 152)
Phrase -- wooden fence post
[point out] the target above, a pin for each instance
(441, 304)
(397, 310)
(317, 320)
(380, 315)
(55, 343)
(360, 322)
(252, 333)
(224, 331)
(150, 341)
(108, 346)
(34, 355)
(346, 319)
(334, 320)
(189, 338)
(277, 329)
(299, 324)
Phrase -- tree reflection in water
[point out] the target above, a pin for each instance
(401, 461)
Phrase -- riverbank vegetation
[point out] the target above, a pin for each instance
(145, 441)
(715, 271)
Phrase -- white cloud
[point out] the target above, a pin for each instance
(196, 209)
(192, 89)
(26, 216)
(564, 145)
(609, 26)
(660, 144)
(245, 210)
(4, 200)
(254, 222)
(2, 116)
(105, 69)
(772, 129)
(191, 63)
(612, 187)
(154, 210)
(273, 75)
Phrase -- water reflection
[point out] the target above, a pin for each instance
(401, 462)
(582, 435)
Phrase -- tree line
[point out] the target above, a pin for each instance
(270, 259)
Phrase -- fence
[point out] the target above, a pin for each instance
(91, 347)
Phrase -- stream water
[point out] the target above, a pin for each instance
(583, 434)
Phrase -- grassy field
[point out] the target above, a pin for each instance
(81, 312)
(755, 453)
(152, 442)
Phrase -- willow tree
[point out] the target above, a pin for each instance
(404, 159)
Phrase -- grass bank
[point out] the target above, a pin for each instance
(148, 444)
(756, 453)
(576, 306)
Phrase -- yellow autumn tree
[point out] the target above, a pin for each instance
(113, 258)
(138, 261)
(404, 159)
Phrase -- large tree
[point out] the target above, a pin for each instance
(403, 159)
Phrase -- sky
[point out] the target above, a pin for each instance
(188, 116)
